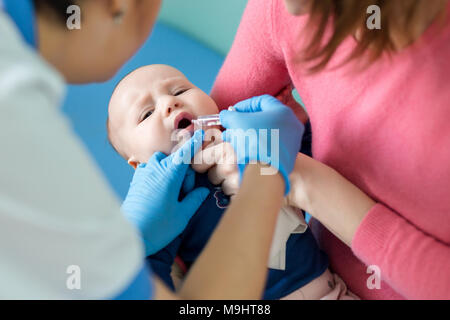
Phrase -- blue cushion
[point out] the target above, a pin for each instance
(86, 105)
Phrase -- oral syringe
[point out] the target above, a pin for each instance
(208, 120)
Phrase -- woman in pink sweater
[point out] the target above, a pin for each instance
(379, 182)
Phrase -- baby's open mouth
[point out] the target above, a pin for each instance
(183, 121)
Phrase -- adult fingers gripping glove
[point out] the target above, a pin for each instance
(152, 203)
(263, 129)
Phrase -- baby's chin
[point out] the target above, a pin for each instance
(183, 134)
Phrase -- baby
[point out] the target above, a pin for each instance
(152, 107)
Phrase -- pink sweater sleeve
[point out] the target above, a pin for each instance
(254, 66)
(412, 262)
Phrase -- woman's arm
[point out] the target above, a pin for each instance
(233, 264)
(321, 191)
(411, 261)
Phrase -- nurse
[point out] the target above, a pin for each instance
(62, 233)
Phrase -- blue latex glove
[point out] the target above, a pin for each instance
(258, 113)
(152, 201)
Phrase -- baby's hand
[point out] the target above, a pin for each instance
(219, 159)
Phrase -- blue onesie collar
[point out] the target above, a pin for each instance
(22, 13)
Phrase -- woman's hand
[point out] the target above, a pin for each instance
(152, 201)
(262, 129)
(330, 198)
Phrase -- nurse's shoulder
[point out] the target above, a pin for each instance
(21, 67)
(63, 235)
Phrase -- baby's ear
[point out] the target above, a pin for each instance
(133, 163)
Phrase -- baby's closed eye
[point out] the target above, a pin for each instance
(180, 91)
(146, 115)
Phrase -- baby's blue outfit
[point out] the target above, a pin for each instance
(304, 260)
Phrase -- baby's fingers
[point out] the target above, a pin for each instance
(211, 156)
(230, 185)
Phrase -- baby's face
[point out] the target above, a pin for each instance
(150, 108)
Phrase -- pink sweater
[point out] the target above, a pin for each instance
(386, 129)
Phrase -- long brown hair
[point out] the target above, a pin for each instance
(348, 17)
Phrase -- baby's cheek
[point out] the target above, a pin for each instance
(206, 105)
(167, 144)
(213, 108)
(151, 141)
(145, 151)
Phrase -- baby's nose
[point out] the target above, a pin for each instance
(171, 106)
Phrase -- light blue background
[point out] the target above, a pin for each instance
(212, 22)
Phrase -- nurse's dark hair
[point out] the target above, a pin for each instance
(348, 17)
(56, 8)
